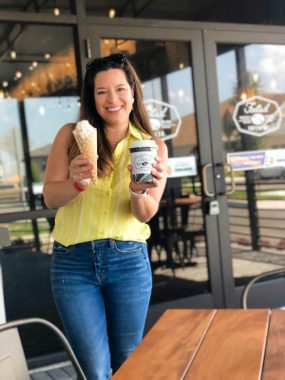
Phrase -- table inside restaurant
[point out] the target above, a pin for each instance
(225, 344)
(177, 216)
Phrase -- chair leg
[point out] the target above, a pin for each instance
(178, 253)
(169, 258)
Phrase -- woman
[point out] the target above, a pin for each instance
(101, 275)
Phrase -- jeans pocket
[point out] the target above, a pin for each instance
(128, 246)
(59, 249)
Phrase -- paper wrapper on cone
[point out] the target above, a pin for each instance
(86, 138)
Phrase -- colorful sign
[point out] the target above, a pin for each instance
(250, 160)
(257, 116)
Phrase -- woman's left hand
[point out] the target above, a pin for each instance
(158, 173)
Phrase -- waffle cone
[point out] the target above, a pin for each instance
(88, 147)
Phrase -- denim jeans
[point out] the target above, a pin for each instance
(102, 291)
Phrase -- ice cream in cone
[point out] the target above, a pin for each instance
(86, 138)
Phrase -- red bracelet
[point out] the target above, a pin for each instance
(77, 187)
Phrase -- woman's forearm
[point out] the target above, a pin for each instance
(144, 208)
(59, 193)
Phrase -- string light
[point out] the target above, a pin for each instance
(13, 54)
(5, 83)
(56, 11)
(47, 56)
(112, 12)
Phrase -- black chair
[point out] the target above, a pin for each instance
(247, 289)
(189, 234)
(166, 234)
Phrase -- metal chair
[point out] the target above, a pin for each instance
(13, 364)
(248, 287)
(190, 235)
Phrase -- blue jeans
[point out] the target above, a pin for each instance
(102, 291)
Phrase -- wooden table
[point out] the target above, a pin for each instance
(228, 344)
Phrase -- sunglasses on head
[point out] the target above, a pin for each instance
(98, 63)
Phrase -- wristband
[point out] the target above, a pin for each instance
(138, 195)
(77, 187)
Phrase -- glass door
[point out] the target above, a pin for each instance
(246, 72)
(170, 66)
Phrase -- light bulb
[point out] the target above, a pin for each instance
(56, 11)
(13, 54)
(112, 13)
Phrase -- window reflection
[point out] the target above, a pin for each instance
(11, 154)
(252, 77)
(38, 95)
(44, 117)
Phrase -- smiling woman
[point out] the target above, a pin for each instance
(100, 229)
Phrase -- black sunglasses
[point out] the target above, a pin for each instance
(101, 63)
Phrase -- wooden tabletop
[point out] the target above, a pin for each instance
(228, 344)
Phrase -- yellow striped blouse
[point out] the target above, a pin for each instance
(104, 211)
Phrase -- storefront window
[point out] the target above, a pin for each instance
(38, 95)
(252, 101)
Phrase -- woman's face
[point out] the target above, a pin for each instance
(113, 97)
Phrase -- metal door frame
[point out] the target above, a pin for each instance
(228, 34)
(90, 46)
(203, 38)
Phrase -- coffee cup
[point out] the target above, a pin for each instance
(143, 154)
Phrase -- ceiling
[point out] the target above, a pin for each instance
(32, 42)
(234, 11)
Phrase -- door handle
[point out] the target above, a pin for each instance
(233, 185)
(205, 181)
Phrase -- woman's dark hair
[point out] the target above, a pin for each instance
(138, 116)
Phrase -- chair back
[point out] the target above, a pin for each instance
(280, 272)
(13, 364)
(11, 352)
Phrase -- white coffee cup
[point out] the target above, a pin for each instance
(143, 154)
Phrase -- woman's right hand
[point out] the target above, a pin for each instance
(80, 171)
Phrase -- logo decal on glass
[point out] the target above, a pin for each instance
(164, 118)
(257, 116)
